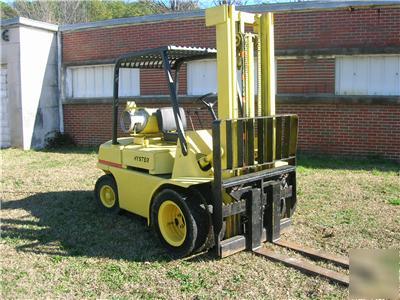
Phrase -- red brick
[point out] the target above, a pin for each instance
(328, 128)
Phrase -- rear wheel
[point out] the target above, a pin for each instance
(178, 227)
(106, 194)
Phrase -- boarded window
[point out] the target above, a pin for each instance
(368, 75)
(202, 77)
(97, 81)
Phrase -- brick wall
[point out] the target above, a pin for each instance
(327, 128)
(306, 76)
(365, 28)
(352, 129)
(153, 82)
(91, 124)
(375, 28)
(338, 29)
(109, 43)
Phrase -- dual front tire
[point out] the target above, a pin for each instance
(180, 222)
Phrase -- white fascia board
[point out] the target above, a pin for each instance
(28, 22)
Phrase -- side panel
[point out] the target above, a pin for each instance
(135, 190)
(158, 160)
(110, 153)
(199, 144)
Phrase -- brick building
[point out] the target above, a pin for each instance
(338, 68)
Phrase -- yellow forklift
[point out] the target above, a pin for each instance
(231, 187)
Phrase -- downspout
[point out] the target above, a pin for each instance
(60, 82)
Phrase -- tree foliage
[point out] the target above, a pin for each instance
(103, 10)
(76, 11)
(6, 11)
(52, 11)
(175, 5)
(230, 2)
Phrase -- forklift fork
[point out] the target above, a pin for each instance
(263, 194)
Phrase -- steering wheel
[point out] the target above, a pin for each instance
(209, 104)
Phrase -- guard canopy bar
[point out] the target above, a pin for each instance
(153, 58)
(167, 58)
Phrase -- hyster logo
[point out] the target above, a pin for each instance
(143, 159)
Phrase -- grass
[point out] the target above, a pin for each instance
(56, 243)
(394, 201)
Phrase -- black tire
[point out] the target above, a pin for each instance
(201, 218)
(189, 240)
(107, 181)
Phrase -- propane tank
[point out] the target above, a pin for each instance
(138, 119)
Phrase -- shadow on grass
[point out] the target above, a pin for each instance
(347, 163)
(71, 224)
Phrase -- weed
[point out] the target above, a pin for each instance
(57, 258)
(187, 283)
(59, 140)
(347, 216)
(394, 201)
(237, 278)
(18, 183)
(113, 276)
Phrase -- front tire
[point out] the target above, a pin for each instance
(174, 223)
(106, 194)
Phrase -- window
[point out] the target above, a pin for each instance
(202, 77)
(97, 81)
(368, 75)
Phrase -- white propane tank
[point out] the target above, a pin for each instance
(138, 119)
(135, 120)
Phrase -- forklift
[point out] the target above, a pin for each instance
(231, 187)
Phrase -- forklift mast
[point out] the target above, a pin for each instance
(235, 51)
(254, 150)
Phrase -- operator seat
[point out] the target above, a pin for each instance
(166, 123)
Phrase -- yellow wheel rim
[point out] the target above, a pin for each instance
(172, 223)
(107, 196)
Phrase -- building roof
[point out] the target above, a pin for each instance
(274, 7)
(28, 22)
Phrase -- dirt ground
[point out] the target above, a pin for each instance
(56, 243)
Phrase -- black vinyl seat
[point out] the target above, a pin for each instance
(166, 123)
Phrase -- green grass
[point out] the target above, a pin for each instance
(188, 282)
(394, 201)
(55, 243)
